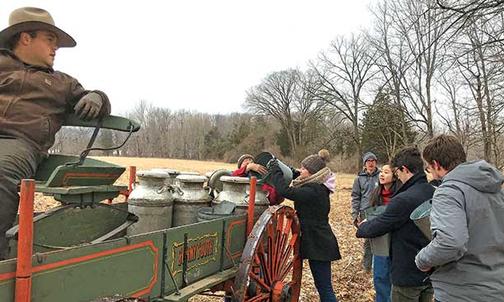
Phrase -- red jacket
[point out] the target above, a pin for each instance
(386, 195)
(273, 196)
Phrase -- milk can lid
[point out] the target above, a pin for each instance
(171, 172)
(235, 179)
(191, 178)
(153, 174)
(188, 173)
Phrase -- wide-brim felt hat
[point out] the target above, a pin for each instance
(31, 19)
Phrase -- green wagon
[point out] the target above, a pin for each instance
(83, 254)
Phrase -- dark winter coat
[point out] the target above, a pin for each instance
(312, 204)
(34, 100)
(406, 238)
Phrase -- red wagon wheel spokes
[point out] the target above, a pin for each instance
(260, 297)
(270, 267)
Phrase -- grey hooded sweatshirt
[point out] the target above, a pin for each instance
(467, 223)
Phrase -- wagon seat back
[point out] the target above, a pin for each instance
(80, 180)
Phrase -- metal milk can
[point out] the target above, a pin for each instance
(190, 196)
(236, 189)
(176, 182)
(152, 201)
(172, 174)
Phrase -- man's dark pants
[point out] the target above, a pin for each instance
(423, 293)
(18, 160)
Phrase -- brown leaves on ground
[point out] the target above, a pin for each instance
(350, 281)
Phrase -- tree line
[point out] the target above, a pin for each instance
(424, 67)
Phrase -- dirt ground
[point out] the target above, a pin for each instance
(350, 282)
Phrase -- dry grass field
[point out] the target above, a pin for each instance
(350, 282)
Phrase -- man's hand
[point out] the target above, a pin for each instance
(356, 222)
(257, 167)
(89, 106)
(272, 163)
(361, 222)
(425, 270)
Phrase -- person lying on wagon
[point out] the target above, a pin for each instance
(246, 165)
(34, 101)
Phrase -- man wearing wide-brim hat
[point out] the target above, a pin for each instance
(34, 100)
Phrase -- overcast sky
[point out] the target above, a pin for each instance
(197, 55)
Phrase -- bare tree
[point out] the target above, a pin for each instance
(393, 59)
(283, 96)
(482, 74)
(410, 38)
(456, 112)
(344, 72)
(463, 12)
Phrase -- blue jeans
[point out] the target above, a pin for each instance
(321, 272)
(381, 278)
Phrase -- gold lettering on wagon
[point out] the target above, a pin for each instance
(201, 250)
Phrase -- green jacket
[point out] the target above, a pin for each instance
(34, 100)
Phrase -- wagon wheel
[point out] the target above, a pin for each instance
(270, 266)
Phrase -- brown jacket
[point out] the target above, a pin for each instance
(34, 100)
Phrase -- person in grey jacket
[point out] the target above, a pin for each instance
(365, 183)
(466, 253)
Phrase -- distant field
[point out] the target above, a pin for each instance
(177, 164)
(350, 282)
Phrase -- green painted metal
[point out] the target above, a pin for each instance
(235, 229)
(109, 122)
(125, 267)
(64, 176)
(75, 190)
(210, 247)
(197, 256)
(172, 274)
(68, 226)
(87, 198)
(47, 167)
(194, 250)
(7, 285)
(81, 195)
(200, 286)
(158, 240)
(71, 264)
(89, 183)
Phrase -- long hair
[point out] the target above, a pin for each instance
(376, 198)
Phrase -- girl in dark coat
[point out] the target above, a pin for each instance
(310, 193)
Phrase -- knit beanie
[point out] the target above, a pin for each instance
(316, 162)
(368, 156)
(244, 157)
